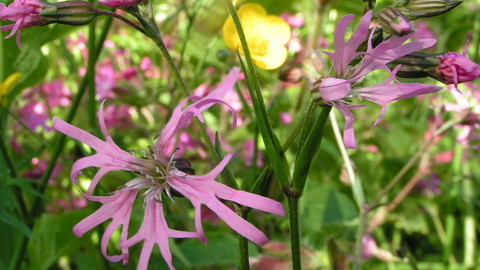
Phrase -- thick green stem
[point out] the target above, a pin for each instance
(294, 232)
(37, 207)
(308, 151)
(91, 102)
(243, 242)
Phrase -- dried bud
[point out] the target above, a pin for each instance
(394, 22)
(414, 9)
(69, 12)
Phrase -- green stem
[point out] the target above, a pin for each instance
(13, 174)
(308, 151)
(243, 242)
(357, 191)
(294, 232)
(37, 204)
(121, 18)
(91, 102)
(153, 32)
(357, 261)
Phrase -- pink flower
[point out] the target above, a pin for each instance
(56, 94)
(249, 150)
(118, 116)
(157, 174)
(118, 3)
(25, 13)
(338, 91)
(34, 114)
(429, 185)
(456, 68)
(105, 81)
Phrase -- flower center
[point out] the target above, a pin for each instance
(258, 46)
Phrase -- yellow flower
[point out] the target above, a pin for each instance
(266, 35)
(7, 86)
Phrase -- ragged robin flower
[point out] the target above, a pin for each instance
(266, 35)
(339, 90)
(158, 174)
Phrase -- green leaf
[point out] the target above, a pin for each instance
(273, 147)
(53, 238)
(221, 250)
(7, 202)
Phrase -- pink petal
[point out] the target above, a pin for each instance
(154, 230)
(117, 207)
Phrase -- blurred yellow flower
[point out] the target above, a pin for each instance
(7, 86)
(266, 35)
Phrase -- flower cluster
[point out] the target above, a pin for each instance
(159, 172)
(339, 90)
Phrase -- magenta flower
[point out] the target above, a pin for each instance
(34, 114)
(339, 90)
(157, 174)
(456, 68)
(25, 13)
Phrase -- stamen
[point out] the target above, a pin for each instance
(144, 154)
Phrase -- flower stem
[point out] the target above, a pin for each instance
(243, 242)
(294, 232)
(146, 19)
(37, 207)
(91, 102)
(121, 18)
(358, 194)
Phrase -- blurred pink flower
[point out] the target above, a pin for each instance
(118, 116)
(294, 20)
(56, 94)
(285, 118)
(105, 81)
(467, 106)
(369, 247)
(34, 114)
(156, 173)
(429, 185)
(249, 153)
(338, 92)
(422, 31)
(38, 168)
(25, 13)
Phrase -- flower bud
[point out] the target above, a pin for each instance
(414, 9)
(69, 12)
(448, 68)
(394, 22)
(414, 65)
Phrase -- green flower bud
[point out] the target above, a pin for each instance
(69, 12)
(414, 9)
(394, 22)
